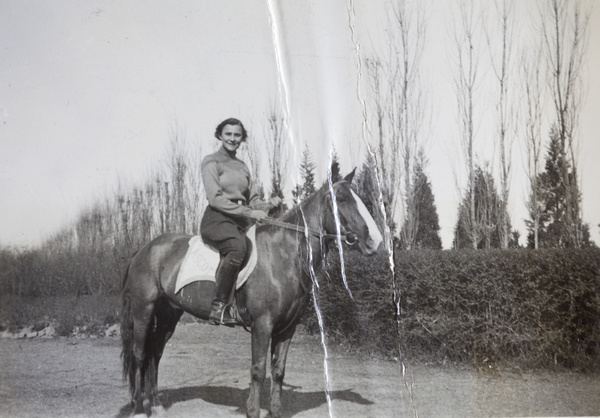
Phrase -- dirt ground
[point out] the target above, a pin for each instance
(205, 373)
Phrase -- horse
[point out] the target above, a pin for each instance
(273, 298)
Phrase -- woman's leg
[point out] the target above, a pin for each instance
(224, 234)
(232, 257)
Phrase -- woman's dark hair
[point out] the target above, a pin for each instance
(230, 121)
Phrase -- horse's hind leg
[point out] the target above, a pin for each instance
(166, 318)
(261, 334)
(280, 344)
(142, 322)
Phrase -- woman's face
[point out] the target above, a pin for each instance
(231, 137)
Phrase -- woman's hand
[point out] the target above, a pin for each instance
(257, 215)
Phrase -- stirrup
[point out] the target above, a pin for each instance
(219, 315)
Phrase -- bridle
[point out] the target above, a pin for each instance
(349, 238)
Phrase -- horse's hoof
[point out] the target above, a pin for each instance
(158, 410)
(139, 411)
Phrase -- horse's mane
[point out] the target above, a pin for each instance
(296, 212)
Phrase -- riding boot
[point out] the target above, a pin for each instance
(225, 277)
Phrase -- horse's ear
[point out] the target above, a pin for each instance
(350, 176)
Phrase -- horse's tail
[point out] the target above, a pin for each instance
(127, 331)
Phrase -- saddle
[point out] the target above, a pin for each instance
(201, 262)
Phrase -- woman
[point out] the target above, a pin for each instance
(232, 204)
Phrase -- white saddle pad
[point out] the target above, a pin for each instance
(201, 262)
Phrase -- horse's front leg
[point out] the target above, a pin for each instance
(261, 334)
(279, 349)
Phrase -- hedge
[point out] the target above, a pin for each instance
(521, 307)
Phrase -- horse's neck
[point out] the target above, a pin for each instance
(305, 214)
(308, 214)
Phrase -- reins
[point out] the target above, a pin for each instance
(349, 238)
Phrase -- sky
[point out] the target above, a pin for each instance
(91, 92)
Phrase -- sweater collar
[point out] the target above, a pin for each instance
(223, 151)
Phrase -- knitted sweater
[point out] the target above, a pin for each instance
(227, 181)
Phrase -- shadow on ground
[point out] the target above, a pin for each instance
(293, 401)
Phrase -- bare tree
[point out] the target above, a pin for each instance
(377, 174)
(252, 155)
(178, 193)
(276, 137)
(410, 119)
(384, 154)
(195, 196)
(501, 59)
(465, 78)
(177, 173)
(564, 26)
(399, 112)
(533, 87)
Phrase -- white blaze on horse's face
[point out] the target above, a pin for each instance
(375, 237)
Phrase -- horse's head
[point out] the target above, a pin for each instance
(350, 217)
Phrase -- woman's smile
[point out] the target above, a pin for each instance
(231, 137)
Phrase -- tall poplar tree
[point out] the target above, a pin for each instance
(564, 26)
